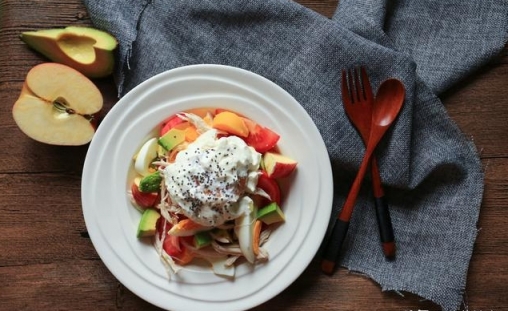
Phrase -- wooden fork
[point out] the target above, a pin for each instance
(359, 111)
(358, 102)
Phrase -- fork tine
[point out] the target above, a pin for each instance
(356, 86)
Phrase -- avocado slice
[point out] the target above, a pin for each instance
(202, 239)
(172, 138)
(271, 214)
(150, 183)
(148, 223)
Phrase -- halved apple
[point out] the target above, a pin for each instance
(88, 50)
(57, 105)
(277, 165)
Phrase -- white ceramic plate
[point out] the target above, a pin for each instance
(111, 220)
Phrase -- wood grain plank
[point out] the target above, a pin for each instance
(325, 7)
(478, 106)
(487, 282)
(60, 285)
(42, 220)
(48, 262)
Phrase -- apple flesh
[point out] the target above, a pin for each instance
(57, 105)
(88, 50)
(277, 165)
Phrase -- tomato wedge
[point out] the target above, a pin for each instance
(170, 123)
(144, 199)
(260, 138)
(271, 187)
(171, 245)
(185, 256)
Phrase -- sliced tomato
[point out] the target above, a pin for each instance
(159, 226)
(271, 187)
(260, 138)
(172, 245)
(170, 123)
(185, 256)
(188, 240)
(144, 199)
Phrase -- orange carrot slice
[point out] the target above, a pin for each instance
(255, 237)
(191, 133)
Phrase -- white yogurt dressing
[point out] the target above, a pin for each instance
(209, 178)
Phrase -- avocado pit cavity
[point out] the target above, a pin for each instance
(79, 47)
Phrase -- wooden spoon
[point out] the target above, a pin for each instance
(389, 100)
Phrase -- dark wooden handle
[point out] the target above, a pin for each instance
(333, 246)
(382, 213)
(385, 227)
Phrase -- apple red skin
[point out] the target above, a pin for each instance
(280, 167)
(281, 170)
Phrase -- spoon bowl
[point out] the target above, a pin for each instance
(389, 100)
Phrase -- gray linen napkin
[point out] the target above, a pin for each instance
(432, 173)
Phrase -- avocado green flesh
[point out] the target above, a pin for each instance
(148, 223)
(172, 138)
(202, 239)
(150, 183)
(271, 214)
(86, 49)
(80, 47)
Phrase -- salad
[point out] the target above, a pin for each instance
(207, 187)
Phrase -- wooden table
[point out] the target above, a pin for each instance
(47, 261)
